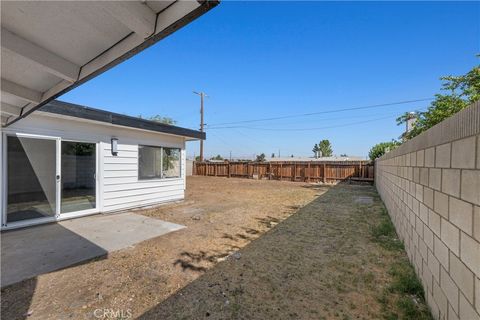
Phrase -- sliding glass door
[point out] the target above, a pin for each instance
(32, 178)
(78, 176)
(48, 178)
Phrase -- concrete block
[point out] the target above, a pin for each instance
(442, 156)
(440, 250)
(478, 152)
(451, 314)
(463, 153)
(420, 158)
(430, 157)
(419, 227)
(450, 235)
(463, 277)
(441, 300)
(435, 178)
(428, 197)
(410, 173)
(428, 237)
(451, 182)
(427, 277)
(419, 192)
(416, 206)
(434, 222)
(477, 294)
(476, 223)
(423, 249)
(424, 176)
(435, 310)
(467, 311)
(433, 265)
(416, 175)
(471, 186)
(441, 204)
(424, 213)
(449, 288)
(470, 253)
(461, 214)
(413, 159)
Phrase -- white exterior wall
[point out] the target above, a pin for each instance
(117, 176)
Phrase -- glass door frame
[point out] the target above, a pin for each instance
(79, 213)
(58, 182)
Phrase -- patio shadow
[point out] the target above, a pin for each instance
(28, 253)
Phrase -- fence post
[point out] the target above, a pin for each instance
(294, 175)
(360, 173)
(280, 171)
(228, 168)
(269, 170)
(308, 172)
(324, 173)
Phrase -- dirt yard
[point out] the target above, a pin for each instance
(251, 250)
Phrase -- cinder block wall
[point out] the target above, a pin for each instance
(431, 188)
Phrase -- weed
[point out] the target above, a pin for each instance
(385, 235)
(411, 309)
(405, 280)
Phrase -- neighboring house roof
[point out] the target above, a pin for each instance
(51, 47)
(82, 112)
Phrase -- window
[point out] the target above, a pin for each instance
(158, 162)
(171, 163)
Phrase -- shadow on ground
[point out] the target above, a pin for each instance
(29, 253)
(318, 263)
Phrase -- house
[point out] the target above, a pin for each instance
(67, 161)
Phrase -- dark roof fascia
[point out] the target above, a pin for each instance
(83, 112)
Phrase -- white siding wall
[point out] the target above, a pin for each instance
(118, 183)
(122, 188)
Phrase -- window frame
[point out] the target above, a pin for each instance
(161, 177)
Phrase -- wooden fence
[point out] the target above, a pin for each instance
(307, 171)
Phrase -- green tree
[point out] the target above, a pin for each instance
(325, 147)
(160, 119)
(217, 157)
(461, 92)
(315, 149)
(380, 149)
(260, 158)
(344, 155)
(273, 155)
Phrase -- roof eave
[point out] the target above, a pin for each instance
(82, 112)
(205, 6)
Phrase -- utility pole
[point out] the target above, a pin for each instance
(202, 95)
(411, 119)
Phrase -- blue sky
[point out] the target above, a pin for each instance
(270, 59)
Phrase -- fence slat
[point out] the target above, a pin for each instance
(292, 170)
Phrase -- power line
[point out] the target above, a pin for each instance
(304, 129)
(369, 116)
(322, 112)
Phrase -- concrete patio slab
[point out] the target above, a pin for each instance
(27, 253)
